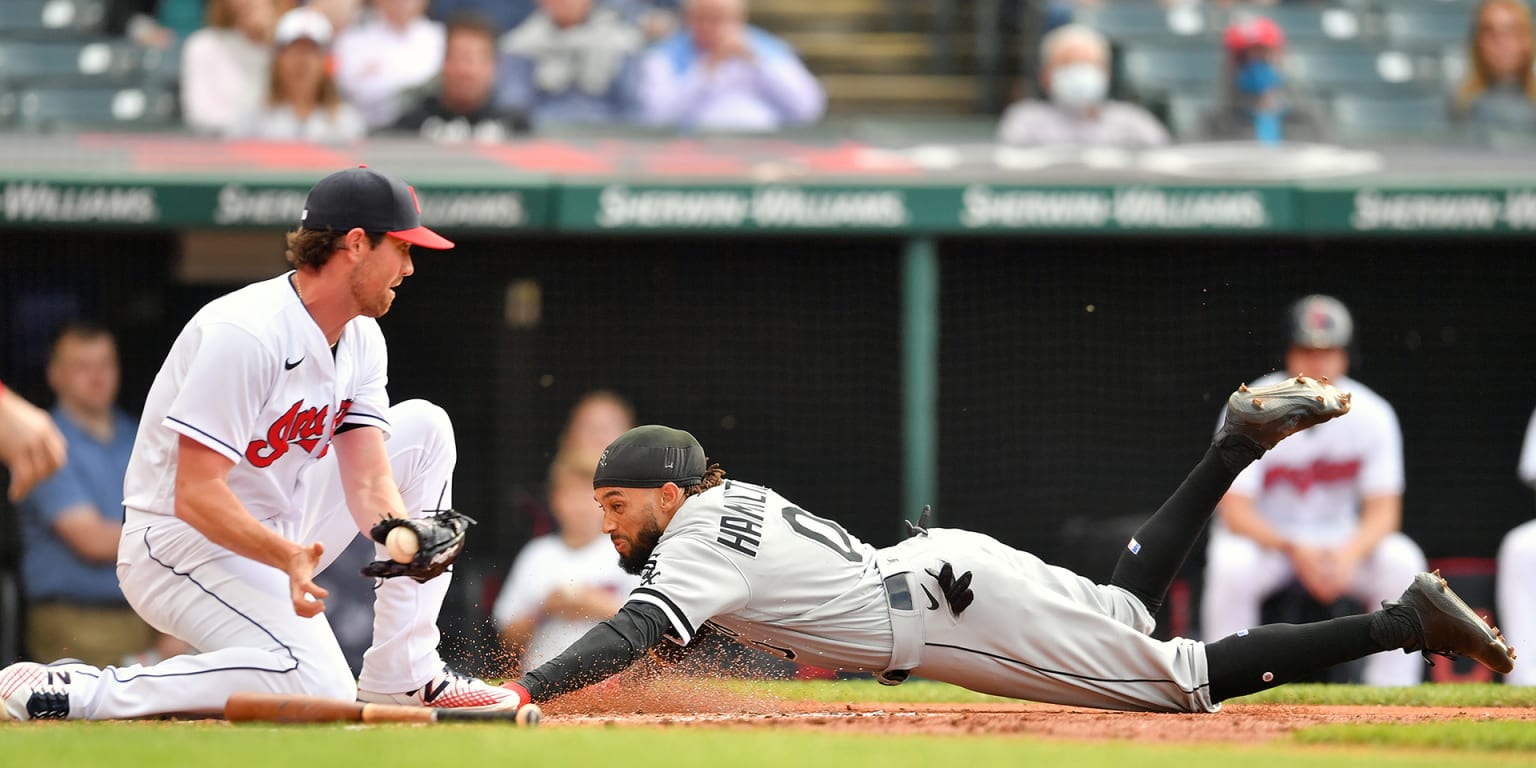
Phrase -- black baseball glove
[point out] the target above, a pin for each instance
(441, 537)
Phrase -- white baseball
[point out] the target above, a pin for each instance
(402, 544)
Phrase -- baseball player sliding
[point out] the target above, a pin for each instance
(961, 607)
(261, 455)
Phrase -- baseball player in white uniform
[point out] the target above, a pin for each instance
(1517, 570)
(1324, 509)
(961, 607)
(261, 454)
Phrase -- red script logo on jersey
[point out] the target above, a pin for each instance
(1319, 472)
(300, 425)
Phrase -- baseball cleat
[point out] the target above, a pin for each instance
(1448, 627)
(1270, 414)
(449, 690)
(32, 691)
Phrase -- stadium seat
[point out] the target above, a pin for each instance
(25, 63)
(52, 18)
(1150, 72)
(1125, 23)
(1186, 114)
(1332, 69)
(1374, 118)
(63, 108)
(161, 68)
(1427, 26)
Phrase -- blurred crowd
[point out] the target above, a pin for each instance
(337, 70)
(1130, 73)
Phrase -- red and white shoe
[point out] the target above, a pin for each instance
(32, 691)
(450, 690)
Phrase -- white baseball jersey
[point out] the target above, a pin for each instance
(545, 565)
(252, 377)
(826, 605)
(1528, 454)
(1309, 487)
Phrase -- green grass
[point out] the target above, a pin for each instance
(1482, 736)
(927, 691)
(217, 745)
(174, 745)
(1466, 695)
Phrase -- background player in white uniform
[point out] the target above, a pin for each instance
(260, 455)
(564, 582)
(1517, 570)
(958, 606)
(1324, 508)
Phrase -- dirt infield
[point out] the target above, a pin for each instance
(665, 705)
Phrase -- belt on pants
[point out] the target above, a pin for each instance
(906, 620)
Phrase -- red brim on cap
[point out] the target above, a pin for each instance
(425, 238)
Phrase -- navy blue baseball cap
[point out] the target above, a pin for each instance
(375, 202)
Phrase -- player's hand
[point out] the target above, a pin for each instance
(308, 597)
(1317, 570)
(30, 444)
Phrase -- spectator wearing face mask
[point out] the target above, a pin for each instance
(1075, 74)
(1253, 103)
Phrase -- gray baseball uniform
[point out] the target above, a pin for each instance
(774, 577)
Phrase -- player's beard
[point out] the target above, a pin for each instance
(371, 302)
(641, 547)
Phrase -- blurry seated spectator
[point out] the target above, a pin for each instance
(386, 55)
(1253, 103)
(721, 74)
(224, 65)
(570, 62)
(502, 15)
(1076, 76)
(302, 102)
(463, 107)
(562, 583)
(1499, 92)
(71, 522)
(1516, 586)
(596, 420)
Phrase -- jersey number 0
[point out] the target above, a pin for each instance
(817, 529)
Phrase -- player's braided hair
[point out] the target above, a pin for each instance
(712, 477)
(313, 247)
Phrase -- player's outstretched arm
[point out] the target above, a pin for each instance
(606, 650)
(30, 444)
(205, 502)
(366, 477)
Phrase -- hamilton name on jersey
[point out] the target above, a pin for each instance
(741, 528)
(770, 575)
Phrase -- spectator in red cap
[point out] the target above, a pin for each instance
(1253, 103)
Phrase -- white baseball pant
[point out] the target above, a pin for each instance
(238, 613)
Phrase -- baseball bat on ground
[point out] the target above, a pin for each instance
(284, 708)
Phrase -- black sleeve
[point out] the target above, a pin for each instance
(604, 651)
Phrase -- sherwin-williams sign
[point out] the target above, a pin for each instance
(196, 205)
